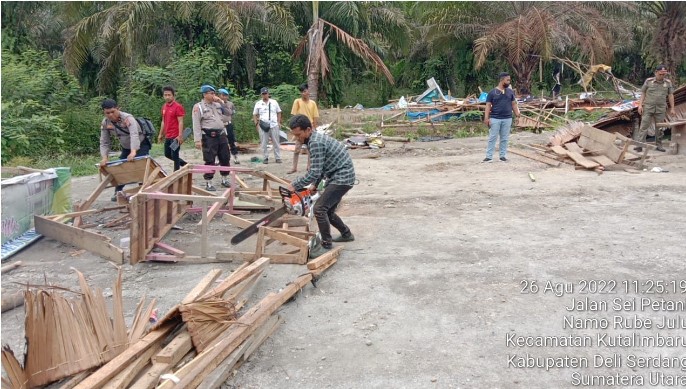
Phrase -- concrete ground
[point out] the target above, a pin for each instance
(433, 291)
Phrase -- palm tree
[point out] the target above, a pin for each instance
(128, 32)
(668, 41)
(367, 29)
(523, 32)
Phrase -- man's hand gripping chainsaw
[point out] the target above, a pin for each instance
(295, 203)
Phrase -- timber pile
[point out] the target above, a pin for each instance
(190, 347)
(589, 148)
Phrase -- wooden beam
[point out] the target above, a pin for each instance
(322, 259)
(217, 206)
(237, 277)
(90, 241)
(104, 374)
(96, 192)
(232, 338)
(283, 237)
(175, 350)
(183, 197)
(126, 376)
(10, 267)
(236, 221)
(170, 250)
(536, 157)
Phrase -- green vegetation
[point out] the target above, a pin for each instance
(56, 75)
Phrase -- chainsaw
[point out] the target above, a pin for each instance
(295, 203)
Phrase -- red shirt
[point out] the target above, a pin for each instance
(170, 114)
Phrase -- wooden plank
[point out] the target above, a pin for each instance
(559, 150)
(217, 206)
(223, 372)
(96, 192)
(603, 160)
(123, 379)
(104, 374)
(535, 157)
(202, 287)
(11, 300)
(283, 237)
(185, 197)
(298, 234)
(322, 259)
(583, 161)
(151, 377)
(318, 271)
(260, 200)
(170, 250)
(236, 221)
(175, 350)
(574, 147)
(237, 277)
(10, 267)
(87, 240)
(232, 338)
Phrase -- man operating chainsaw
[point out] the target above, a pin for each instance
(329, 160)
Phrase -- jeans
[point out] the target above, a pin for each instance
(325, 212)
(273, 134)
(499, 127)
(143, 150)
(173, 154)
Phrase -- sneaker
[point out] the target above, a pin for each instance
(318, 251)
(236, 161)
(226, 183)
(503, 159)
(660, 149)
(266, 161)
(347, 237)
(279, 161)
(113, 198)
(638, 149)
(209, 186)
(487, 160)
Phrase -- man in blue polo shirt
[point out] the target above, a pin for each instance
(500, 104)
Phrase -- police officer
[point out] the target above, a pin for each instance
(209, 133)
(228, 105)
(133, 142)
(653, 104)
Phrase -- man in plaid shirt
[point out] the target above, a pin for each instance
(328, 160)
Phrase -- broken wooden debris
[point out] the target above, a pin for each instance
(67, 336)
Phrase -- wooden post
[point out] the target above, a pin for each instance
(203, 236)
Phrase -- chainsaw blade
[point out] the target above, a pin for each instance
(252, 229)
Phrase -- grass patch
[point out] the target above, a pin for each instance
(81, 165)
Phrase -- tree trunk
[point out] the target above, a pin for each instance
(522, 72)
(313, 58)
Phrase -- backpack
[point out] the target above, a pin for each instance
(146, 126)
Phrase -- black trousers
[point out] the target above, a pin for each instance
(325, 212)
(231, 135)
(143, 150)
(214, 147)
(173, 155)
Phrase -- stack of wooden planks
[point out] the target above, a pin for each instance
(591, 149)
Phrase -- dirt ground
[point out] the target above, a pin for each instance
(429, 294)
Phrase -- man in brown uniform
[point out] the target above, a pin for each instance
(653, 105)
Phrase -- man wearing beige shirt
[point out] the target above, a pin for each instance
(307, 107)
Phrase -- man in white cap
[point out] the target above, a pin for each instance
(267, 119)
(209, 133)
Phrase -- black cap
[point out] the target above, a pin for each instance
(264, 90)
(660, 67)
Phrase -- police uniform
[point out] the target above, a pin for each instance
(208, 128)
(130, 136)
(654, 107)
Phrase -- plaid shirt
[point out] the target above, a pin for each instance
(328, 159)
